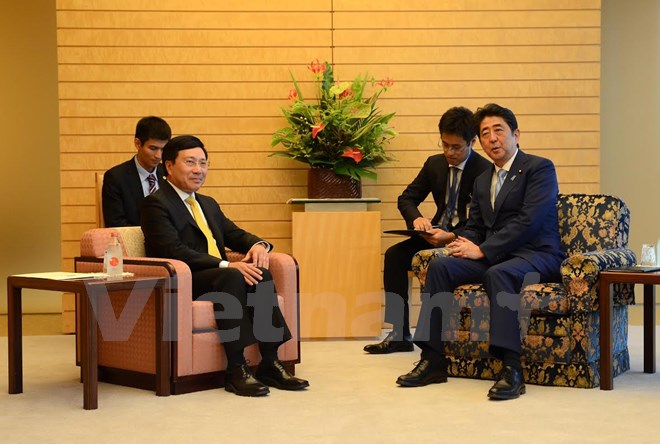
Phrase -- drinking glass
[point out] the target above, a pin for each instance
(648, 255)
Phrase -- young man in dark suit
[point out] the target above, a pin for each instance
(448, 177)
(126, 184)
(511, 236)
(182, 224)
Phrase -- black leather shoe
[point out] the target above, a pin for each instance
(423, 374)
(275, 375)
(509, 386)
(240, 381)
(391, 344)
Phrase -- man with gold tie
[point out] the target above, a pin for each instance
(182, 224)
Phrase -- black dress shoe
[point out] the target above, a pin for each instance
(509, 386)
(239, 380)
(423, 374)
(275, 375)
(391, 344)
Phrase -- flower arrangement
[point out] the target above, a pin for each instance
(342, 129)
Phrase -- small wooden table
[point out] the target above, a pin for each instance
(89, 289)
(607, 278)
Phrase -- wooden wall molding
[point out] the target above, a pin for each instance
(221, 70)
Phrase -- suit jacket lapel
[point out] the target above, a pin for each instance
(210, 209)
(484, 196)
(467, 176)
(174, 198)
(443, 170)
(160, 174)
(137, 189)
(205, 204)
(511, 177)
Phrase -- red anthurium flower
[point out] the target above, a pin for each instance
(386, 82)
(293, 95)
(353, 153)
(317, 129)
(316, 67)
(348, 92)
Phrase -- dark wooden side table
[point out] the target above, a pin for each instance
(90, 290)
(607, 278)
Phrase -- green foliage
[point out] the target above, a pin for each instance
(340, 129)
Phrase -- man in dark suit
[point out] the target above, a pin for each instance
(448, 177)
(511, 238)
(182, 224)
(126, 184)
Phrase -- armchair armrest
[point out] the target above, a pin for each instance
(580, 277)
(422, 259)
(178, 295)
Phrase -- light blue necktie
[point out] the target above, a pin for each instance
(501, 175)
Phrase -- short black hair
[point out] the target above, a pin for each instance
(152, 127)
(180, 143)
(493, 109)
(459, 121)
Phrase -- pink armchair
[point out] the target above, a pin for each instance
(198, 359)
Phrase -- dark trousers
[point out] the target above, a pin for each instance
(502, 283)
(245, 314)
(395, 282)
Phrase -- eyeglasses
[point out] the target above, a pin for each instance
(203, 163)
(451, 149)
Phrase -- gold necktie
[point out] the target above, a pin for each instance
(201, 222)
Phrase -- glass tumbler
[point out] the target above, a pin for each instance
(648, 255)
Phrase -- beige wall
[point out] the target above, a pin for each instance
(630, 152)
(220, 70)
(225, 76)
(30, 227)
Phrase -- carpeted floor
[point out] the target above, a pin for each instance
(353, 398)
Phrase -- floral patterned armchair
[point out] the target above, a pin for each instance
(559, 321)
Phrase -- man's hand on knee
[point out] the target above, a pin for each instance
(251, 273)
(465, 249)
(258, 256)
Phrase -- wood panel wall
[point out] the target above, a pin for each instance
(220, 70)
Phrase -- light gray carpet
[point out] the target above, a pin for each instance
(353, 398)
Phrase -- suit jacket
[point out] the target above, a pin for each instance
(524, 222)
(122, 194)
(433, 178)
(170, 231)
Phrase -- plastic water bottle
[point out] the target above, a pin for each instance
(113, 262)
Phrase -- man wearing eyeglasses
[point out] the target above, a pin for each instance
(182, 224)
(448, 177)
(126, 184)
(511, 239)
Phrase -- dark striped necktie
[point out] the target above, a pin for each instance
(451, 200)
(151, 178)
